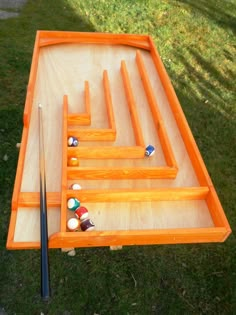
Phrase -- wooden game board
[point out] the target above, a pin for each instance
(113, 93)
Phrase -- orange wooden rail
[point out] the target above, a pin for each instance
(159, 124)
(64, 164)
(132, 105)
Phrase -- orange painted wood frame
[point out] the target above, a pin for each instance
(206, 191)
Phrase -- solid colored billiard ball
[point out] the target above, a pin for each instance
(73, 161)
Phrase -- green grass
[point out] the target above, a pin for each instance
(197, 45)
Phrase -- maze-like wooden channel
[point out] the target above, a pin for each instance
(125, 103)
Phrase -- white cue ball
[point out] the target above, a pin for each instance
(75, 186)
(73, 224)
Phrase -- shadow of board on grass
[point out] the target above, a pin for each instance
(219, 11)
(208, 102)
(17, 36)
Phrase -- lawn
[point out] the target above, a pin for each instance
(196, 40)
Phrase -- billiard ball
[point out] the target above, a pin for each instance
(75, 186)
(73, 204)
(150, 150)
(73, 161)
(81, 213)
(73, 224)
(72, 142)
(87, 225)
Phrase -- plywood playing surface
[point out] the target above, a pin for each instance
(116, 98)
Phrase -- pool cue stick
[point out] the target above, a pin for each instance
(45, 280)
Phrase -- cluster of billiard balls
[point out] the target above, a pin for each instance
(81, 220)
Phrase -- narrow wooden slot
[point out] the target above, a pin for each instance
(64, 165)
(93, 134)
(190, 144)
(159, 124)
(97, 134)
(107, 152)
(74, 173)
(83, 119)
(108, 101)
(26, 121)
(132, 105)
(79, 119)
(140, 195)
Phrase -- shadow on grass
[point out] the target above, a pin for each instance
(15, 57)
(17, 37)
(213, 11)
(207, 99)
(206, 93)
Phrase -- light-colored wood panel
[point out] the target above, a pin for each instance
(27, 227)
(132, 105)
(126, 216)
(89, 135)
(108, 101)
(83, 118)
(79, 119)
(150, 215)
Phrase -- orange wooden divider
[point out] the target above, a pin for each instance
(64, 164)
(159, 124)
(141, 195)
(132, 106)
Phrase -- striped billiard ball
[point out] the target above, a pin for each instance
(81, 213)
(72, 142)
(87, 225)
(73, 204)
